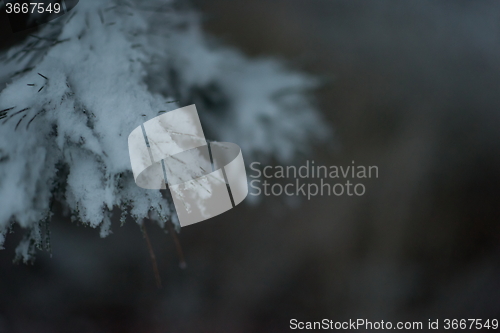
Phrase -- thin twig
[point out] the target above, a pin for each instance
(152, 255)
(46, 78)
(178, 247)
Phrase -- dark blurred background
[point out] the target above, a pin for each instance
(412, 87)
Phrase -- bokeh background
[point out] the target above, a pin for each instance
(410, 86)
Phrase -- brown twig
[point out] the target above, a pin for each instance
(178, 247)
(152, 255)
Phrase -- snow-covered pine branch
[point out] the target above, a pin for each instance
(76, 90)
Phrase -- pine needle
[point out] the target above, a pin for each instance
(12, 115)
(46, 78)
(19, 122)
(28, 126)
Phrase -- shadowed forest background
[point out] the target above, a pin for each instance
(412, 87)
